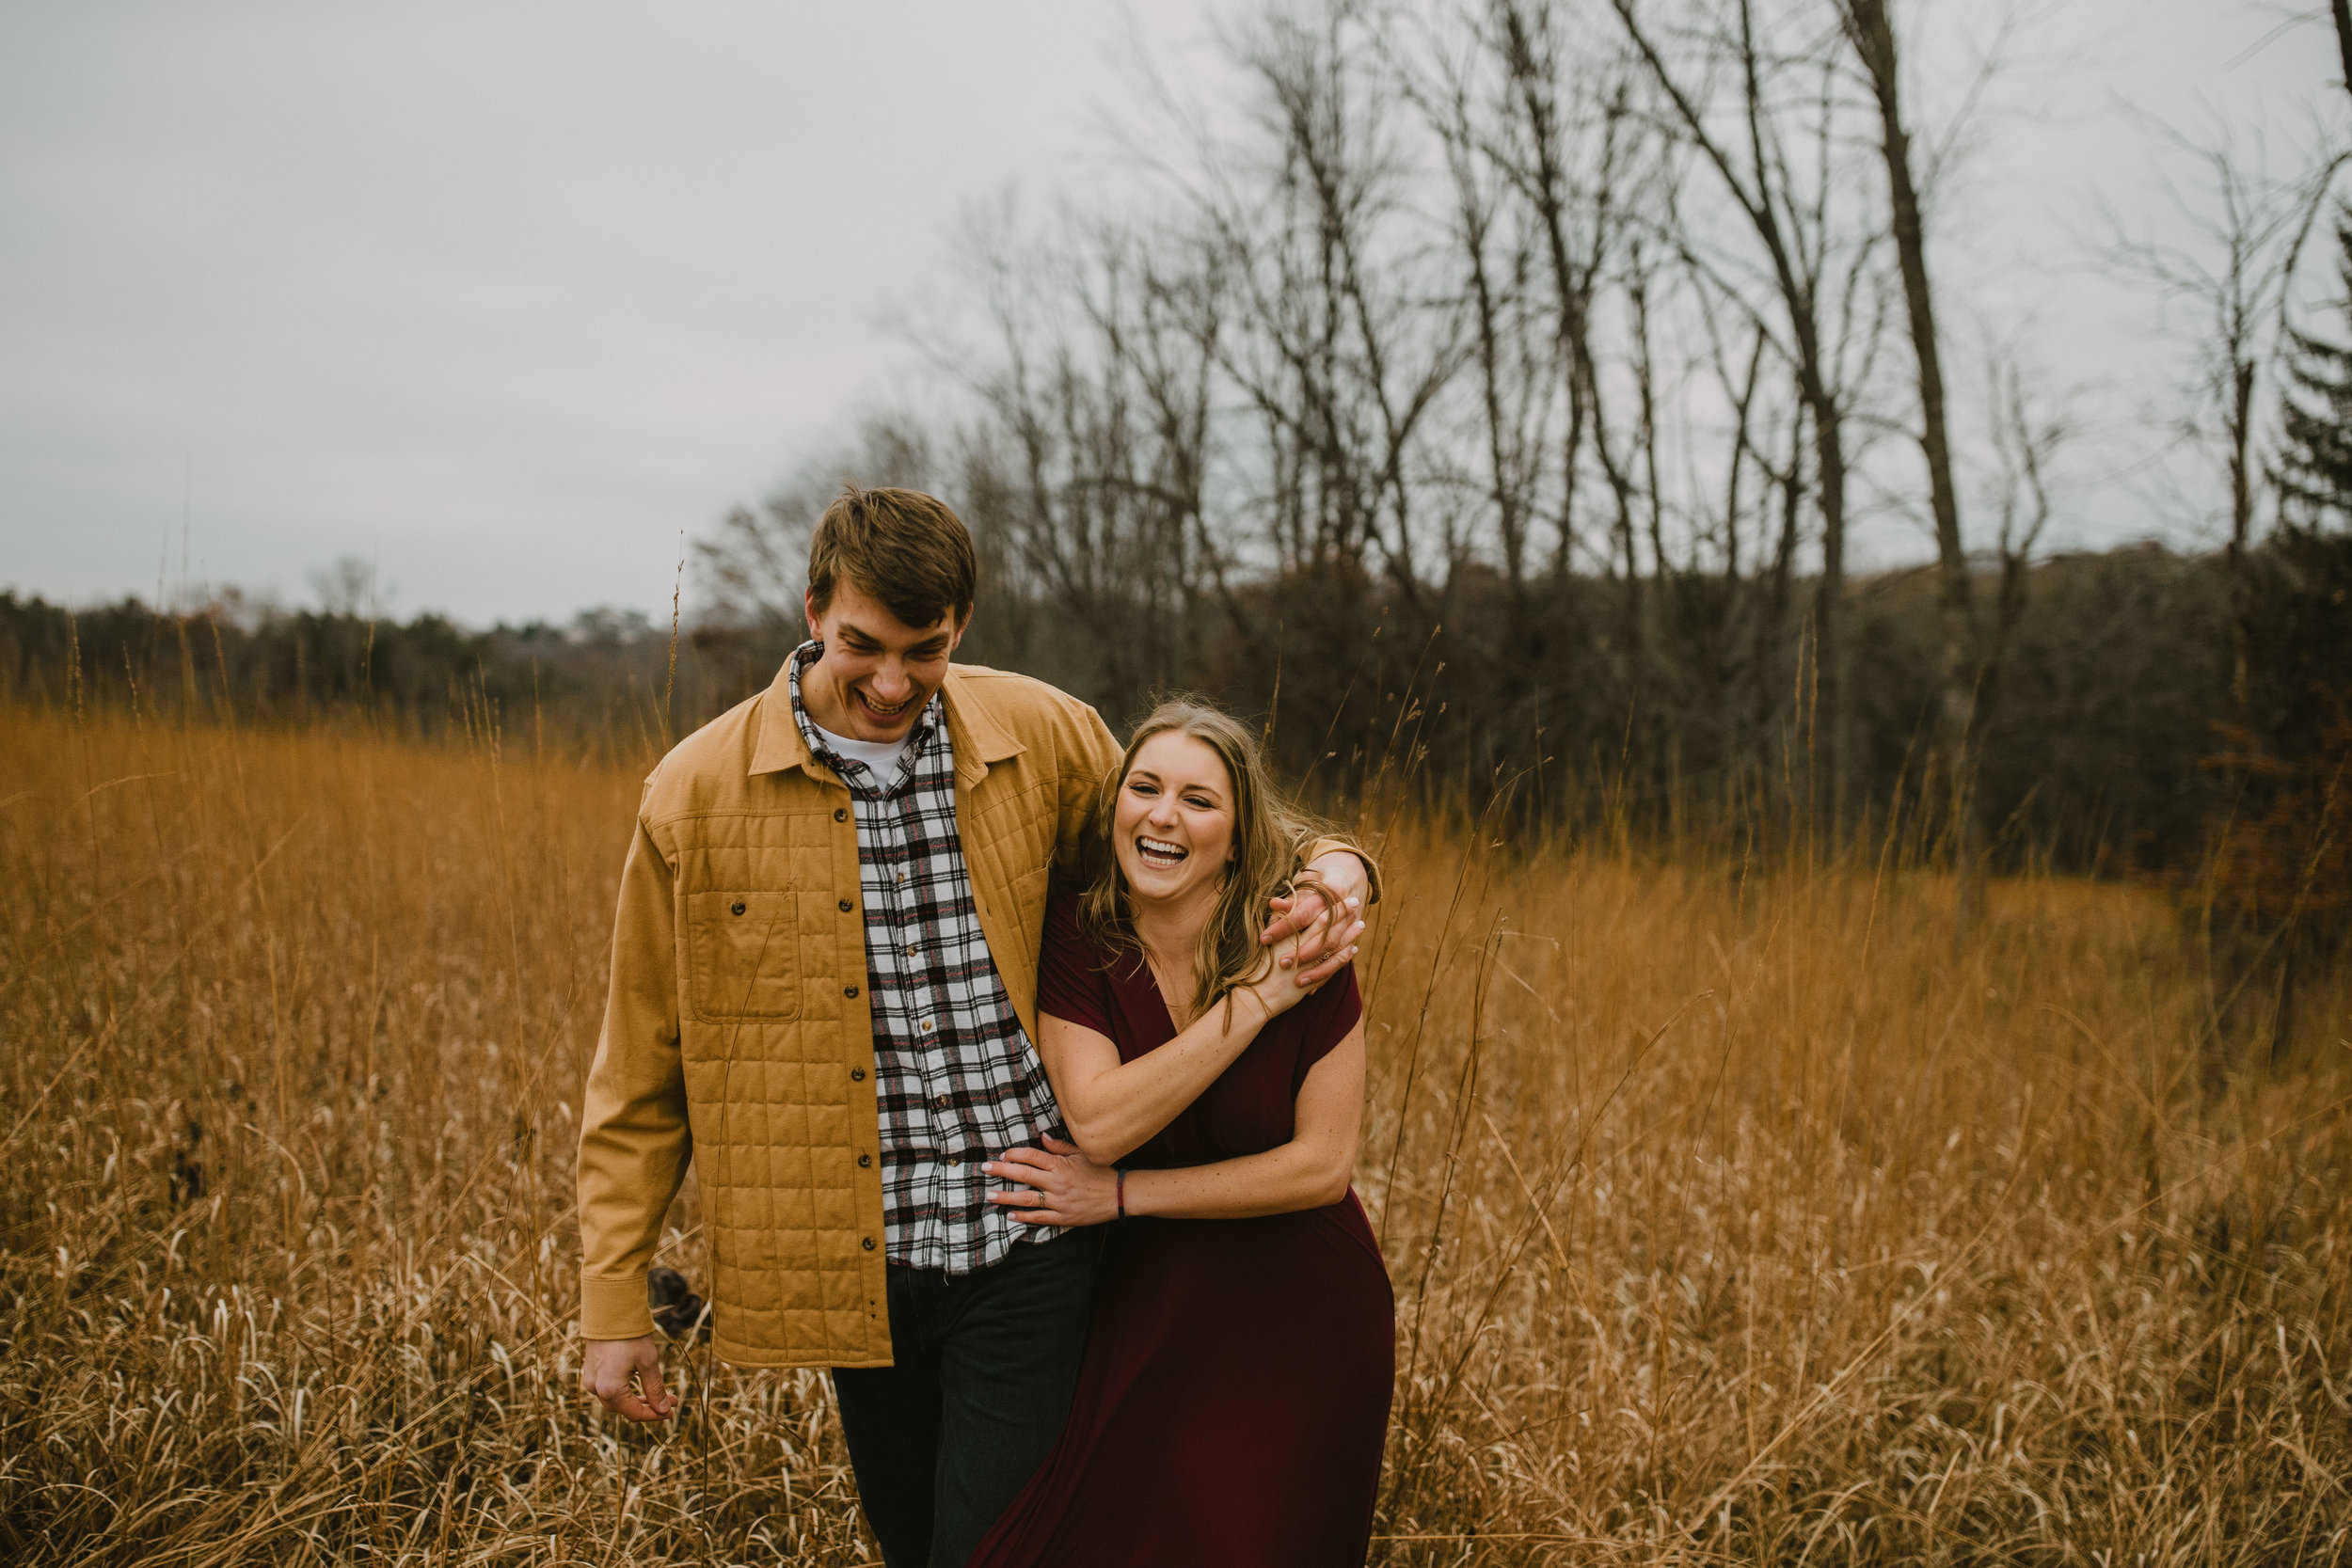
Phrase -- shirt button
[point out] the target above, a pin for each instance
(912, 947)
(845, 906)
(739, 906)
(857, 1075)
(928, 1025)
(849, 990)
(841, 814)
(941, 1103)
(865, 1159)
(953, 1161)
(869, 1243)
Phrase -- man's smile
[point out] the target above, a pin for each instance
(884, 710)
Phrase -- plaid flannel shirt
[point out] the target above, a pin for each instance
(957, 1081)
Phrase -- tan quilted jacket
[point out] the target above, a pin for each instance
(744, 1038)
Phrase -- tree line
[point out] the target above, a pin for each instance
(2113, 753)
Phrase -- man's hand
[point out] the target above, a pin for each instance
(1062, 1186)
(612, 1366)
(1325, 914)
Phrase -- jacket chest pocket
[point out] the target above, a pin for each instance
(744, 954)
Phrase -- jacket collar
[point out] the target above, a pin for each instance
(975, 729)
(778, 745)
(977, 732)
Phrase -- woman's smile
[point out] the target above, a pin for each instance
(1160, 855)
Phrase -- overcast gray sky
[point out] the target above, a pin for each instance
(505, 297)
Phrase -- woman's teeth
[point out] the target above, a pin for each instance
(1157, 852)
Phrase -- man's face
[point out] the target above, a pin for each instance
(877, 673)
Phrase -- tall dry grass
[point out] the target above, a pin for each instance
(1734, 1216)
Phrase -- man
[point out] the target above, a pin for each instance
(824, 976)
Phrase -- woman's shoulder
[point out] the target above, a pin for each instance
(1064, 930)
(1072, 978)
(1325, 1017)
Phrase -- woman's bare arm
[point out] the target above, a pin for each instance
(1113, 1107)
(1063, 1186)
(1309, 1171)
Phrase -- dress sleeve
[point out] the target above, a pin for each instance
(1071, 982)
(1324, 1019)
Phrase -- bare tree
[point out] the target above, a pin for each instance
(2027, 440)
(1961, 668)
(348, 588)
(1778, 172)
(1332, 339)
(1566, 139)
(1518, 379)
(1090, 463)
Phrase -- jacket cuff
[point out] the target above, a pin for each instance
(614, 1308)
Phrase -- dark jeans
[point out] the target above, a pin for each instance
(986, 1364)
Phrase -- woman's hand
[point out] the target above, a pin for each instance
(1325, 898)
(1283, 985)
(1060, 1186)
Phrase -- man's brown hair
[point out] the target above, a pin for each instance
(903, 546)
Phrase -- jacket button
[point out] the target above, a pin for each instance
(849, 990)
(857, 1075)
(841, 814)
(845, 906)
(739, 906)
(869, 1243)
(865, 1159)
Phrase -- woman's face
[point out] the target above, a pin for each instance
(1173, 829)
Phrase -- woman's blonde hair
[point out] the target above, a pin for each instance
(1268, 834)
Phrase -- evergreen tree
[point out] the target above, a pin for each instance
(2314, 470)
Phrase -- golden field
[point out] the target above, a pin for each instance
(1735, 1216)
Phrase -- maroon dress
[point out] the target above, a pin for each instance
(1234, 1397)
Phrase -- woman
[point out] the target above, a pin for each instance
(1235, 1391)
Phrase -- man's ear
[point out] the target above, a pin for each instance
(808, 608)
(963, 624)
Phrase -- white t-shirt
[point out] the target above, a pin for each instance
(881, 757)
